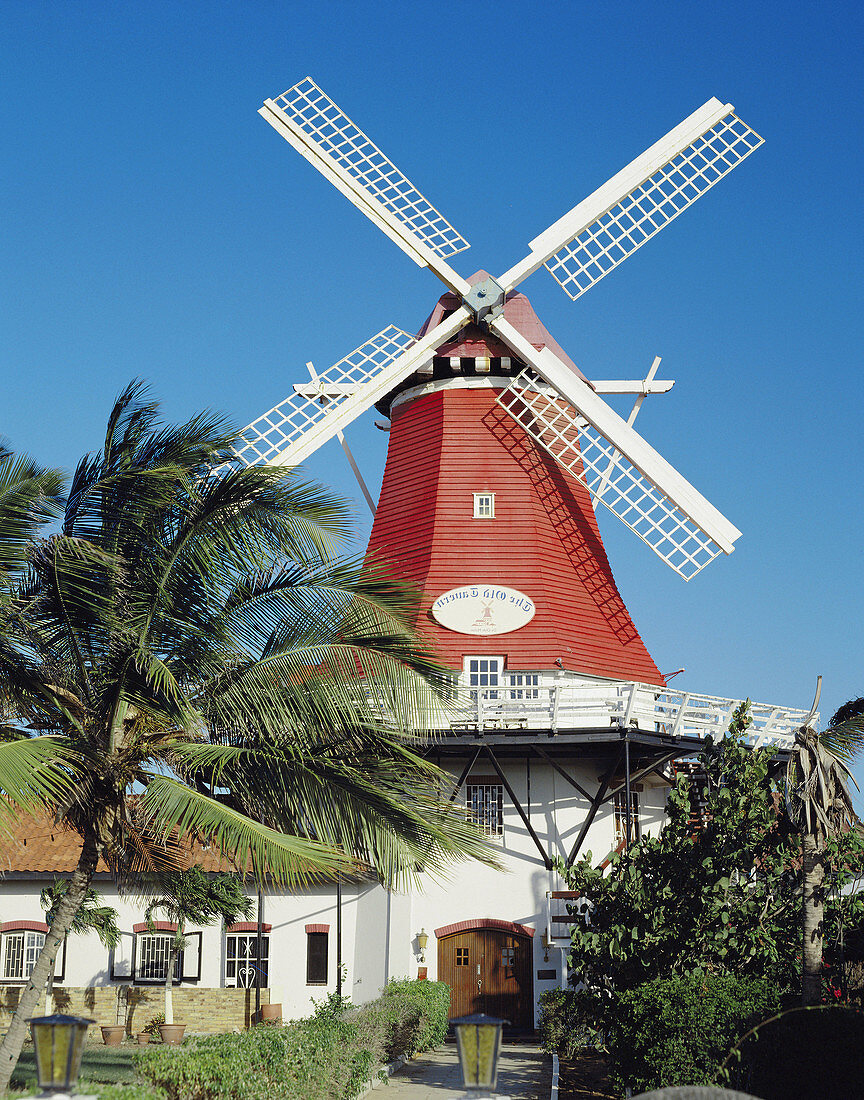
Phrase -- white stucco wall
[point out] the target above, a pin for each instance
(379, 928)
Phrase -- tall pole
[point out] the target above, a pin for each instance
(339, 936)
(260, 938)
(627, 784)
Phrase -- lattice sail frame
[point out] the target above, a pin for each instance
(646, 209)
(336, 136)
(610, 477)
(267, 437)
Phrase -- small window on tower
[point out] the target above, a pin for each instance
(484, 505)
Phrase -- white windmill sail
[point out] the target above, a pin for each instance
(322, 133)
(618, 466)
(635, 204)
(313, 414)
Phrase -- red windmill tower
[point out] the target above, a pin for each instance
(502, 540)
(500, 448)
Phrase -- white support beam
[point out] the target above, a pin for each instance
(623, 386)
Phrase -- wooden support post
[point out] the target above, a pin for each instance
(596, 803)
(464, 774)
(546, 860)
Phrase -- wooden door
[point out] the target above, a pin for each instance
(488, 970)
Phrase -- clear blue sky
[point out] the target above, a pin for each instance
(153, 225)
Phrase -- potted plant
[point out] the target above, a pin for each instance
(151, 1028)
(192, 897)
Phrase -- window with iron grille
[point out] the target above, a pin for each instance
(621, 817)
(485, 806)
(20, 952)
(241, 960)
(153, 952)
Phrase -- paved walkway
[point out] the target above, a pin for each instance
(524, 1073)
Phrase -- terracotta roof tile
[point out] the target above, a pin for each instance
(40, 845)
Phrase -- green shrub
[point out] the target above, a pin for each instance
(328, 1056)
(678, 1031)
(565, 1022)
(433, 1000)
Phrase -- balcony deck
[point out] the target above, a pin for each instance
(554, 704)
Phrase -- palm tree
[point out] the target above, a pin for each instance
(192, 661)
(92, 916)
(194, 897)
(820, 807)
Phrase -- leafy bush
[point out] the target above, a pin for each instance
(328, 1056)
(565, 1019)
(678, 1031)
(433, 999)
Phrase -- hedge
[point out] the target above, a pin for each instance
(329, 1056)
(678, 1031)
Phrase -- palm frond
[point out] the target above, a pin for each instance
(288, 860)
(35, 774)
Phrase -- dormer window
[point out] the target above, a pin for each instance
(484, 505)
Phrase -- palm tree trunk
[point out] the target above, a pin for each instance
(49, 988)
(34, 990)
(812, 921)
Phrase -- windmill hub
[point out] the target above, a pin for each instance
(485, 300)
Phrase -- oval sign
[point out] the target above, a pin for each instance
(483, 609)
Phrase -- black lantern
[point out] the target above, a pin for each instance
(59, 1043)
(478, 1038)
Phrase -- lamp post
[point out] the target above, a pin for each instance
(478, 1039)
(58, 1042)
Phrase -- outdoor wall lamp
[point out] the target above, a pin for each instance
(422, 940)
(547, 943)
(478, 1039)
(59, 1043)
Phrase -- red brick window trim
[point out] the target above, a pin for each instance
(24, 926)
(249, 926)
(317, 927)
(157, 926)
(484, 922)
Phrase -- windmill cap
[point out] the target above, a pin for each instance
(473, 341)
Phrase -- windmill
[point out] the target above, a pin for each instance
(485, 371)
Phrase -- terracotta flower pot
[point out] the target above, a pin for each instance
(271, 1013)
(113, 1036)
(143, 1038)
(172, 1033)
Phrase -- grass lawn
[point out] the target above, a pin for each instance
(108, 1065)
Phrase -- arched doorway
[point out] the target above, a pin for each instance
(487, 964)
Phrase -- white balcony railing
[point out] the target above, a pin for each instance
(559, 703)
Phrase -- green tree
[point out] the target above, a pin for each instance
(194, 661)
(820, 807)
(194, 897)
(92, 916)
(718, 898)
